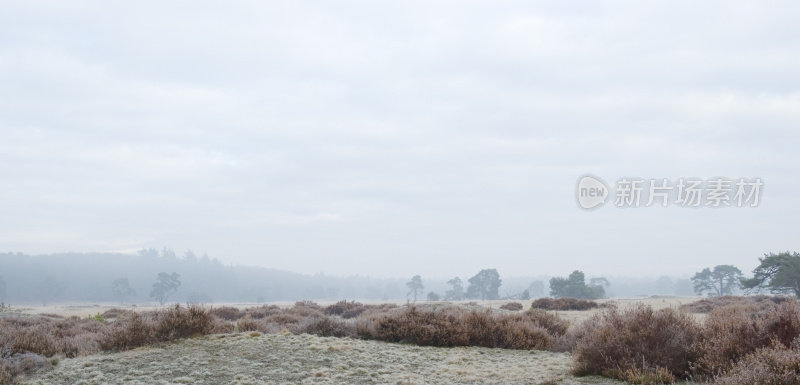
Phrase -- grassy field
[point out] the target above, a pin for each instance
(255, 358)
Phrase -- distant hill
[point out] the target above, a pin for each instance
(68, 277)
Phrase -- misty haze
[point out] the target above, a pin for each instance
(399, 192)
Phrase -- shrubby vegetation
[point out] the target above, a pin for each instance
(744, 338)
(642, 345)
(564, 304)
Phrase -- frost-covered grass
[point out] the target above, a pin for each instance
(255, 358)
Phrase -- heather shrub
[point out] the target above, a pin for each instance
(345, 309)
(637, 343)
(328, 327)
(247, 324)
(115, 313)
(454, 326)
(305, 309)
(513, 306)
(132, 331)
(179, 322)
(563, 304)
(286, 318)
(38, 339)
(775, 365)
(228, 313)
(262, 311)
(753, 303)
(5, 374)
(655, 376)
(729, 333)
(14, 364)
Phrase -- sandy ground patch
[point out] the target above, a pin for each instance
(255, 359)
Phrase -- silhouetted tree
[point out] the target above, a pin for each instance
(415, 286)
(780, 273)
(720, 281)
(165, 283)
(484, 285)
(433, 297)
(122, 289)
(525, 295)
(456, 292)
(575, 286)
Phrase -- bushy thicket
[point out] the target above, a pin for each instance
(455, 326)
(775, 365)
(756, 302)
(642, 345)
(563, 304)
(25, 340)
(512, 306)
(637, 343)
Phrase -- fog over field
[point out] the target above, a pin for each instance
(399, 192)
(394, 139)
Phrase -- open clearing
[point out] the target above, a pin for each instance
(284, 358)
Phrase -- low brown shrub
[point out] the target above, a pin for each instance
(328, 327)
(755, 303)
(513, 306)
(345, 309)
(115, 313)
(284, 319)
(657, 376)
(263, 311)
(305, 309)
(731, 332)
(453, 326)
(563, 304)
(181, 322)
(775, 365)
(132, 331)
(639, 341)
(14, 364)
(228, 313)
(247, 324)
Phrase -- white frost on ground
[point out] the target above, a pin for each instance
(255, 359)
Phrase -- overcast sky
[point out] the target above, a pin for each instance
(397, 138)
